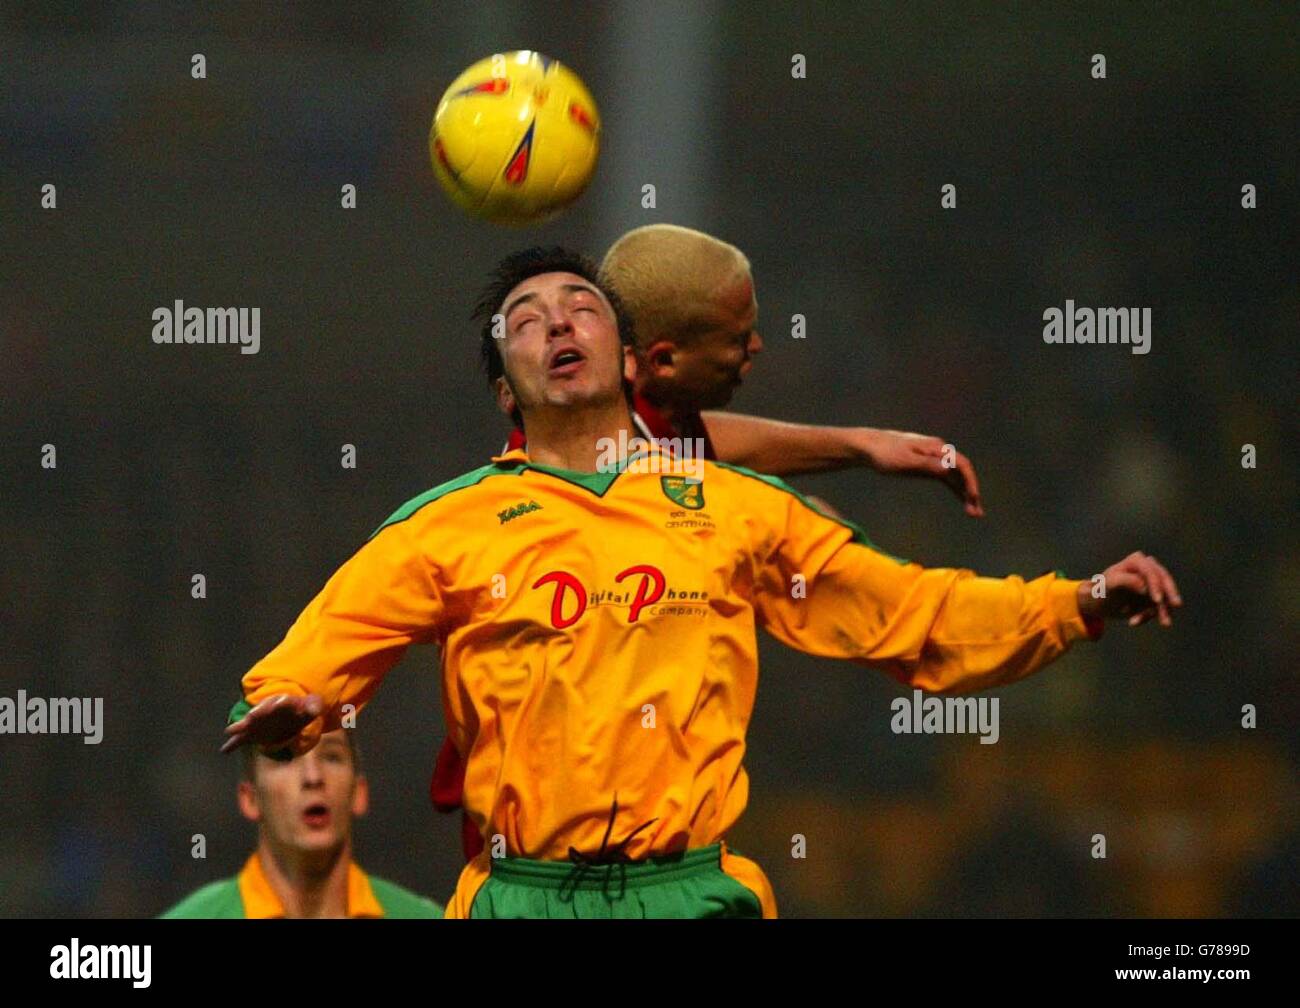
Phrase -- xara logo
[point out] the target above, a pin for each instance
(517, 510)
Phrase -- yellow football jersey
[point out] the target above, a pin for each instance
(598, 636)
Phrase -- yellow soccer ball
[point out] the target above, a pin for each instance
(515, 138)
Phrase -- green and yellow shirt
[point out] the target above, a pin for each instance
(598, 637)
(249, 896)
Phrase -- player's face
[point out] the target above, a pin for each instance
(709, 369)
(307, 804)
(561, 345)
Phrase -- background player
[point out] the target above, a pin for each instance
(304, 808)
(549, 751)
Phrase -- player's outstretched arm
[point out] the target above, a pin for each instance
(789, 449)
(824, 589)
(338, 651)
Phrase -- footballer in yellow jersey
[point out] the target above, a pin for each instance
(694, 310)
(597, 621)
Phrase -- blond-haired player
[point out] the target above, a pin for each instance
(694, 308)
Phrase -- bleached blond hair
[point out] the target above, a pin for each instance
(668, 278)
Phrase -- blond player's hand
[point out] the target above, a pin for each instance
(1137, 588)
(274, 722)
(905, 454)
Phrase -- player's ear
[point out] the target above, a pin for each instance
(505, 396)
(660, 359)
(360, 796)
(629, 363)
(246, 795)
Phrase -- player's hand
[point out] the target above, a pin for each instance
(904, 454)
(1137, 588)
(274, 722)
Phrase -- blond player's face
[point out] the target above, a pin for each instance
(561, 345)
(710, 367)
(308, 803)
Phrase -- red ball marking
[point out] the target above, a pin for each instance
(442, 155)
(517, 170)
(580, 115)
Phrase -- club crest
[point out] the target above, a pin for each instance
(683, 491)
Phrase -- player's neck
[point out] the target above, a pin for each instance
(572, 438)
(310, 884)
(678, 415)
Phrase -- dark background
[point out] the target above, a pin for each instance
(225, 191)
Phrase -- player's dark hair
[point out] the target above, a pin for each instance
(248, 764)
(519, 266)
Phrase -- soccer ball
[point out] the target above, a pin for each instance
(515, 138)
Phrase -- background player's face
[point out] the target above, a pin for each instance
(706, 371)
(561, 345)
(307, 804)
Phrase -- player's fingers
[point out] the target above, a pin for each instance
(1122, 578)
(1128, 575)
(1170, 585)
(286, 704)
(1156, 575)
(947, 465)
(1153, 587)
(1138, 581)
(971, 486)
(1157, 589)
(234, 742)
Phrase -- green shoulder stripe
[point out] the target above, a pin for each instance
(215, 901)
(470, 478)
(238, 711)
(859, 534)
(402, 904)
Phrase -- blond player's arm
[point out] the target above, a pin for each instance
(791, 449)
(337, 652)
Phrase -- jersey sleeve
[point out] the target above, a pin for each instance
(822, 588)
(382, 600)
